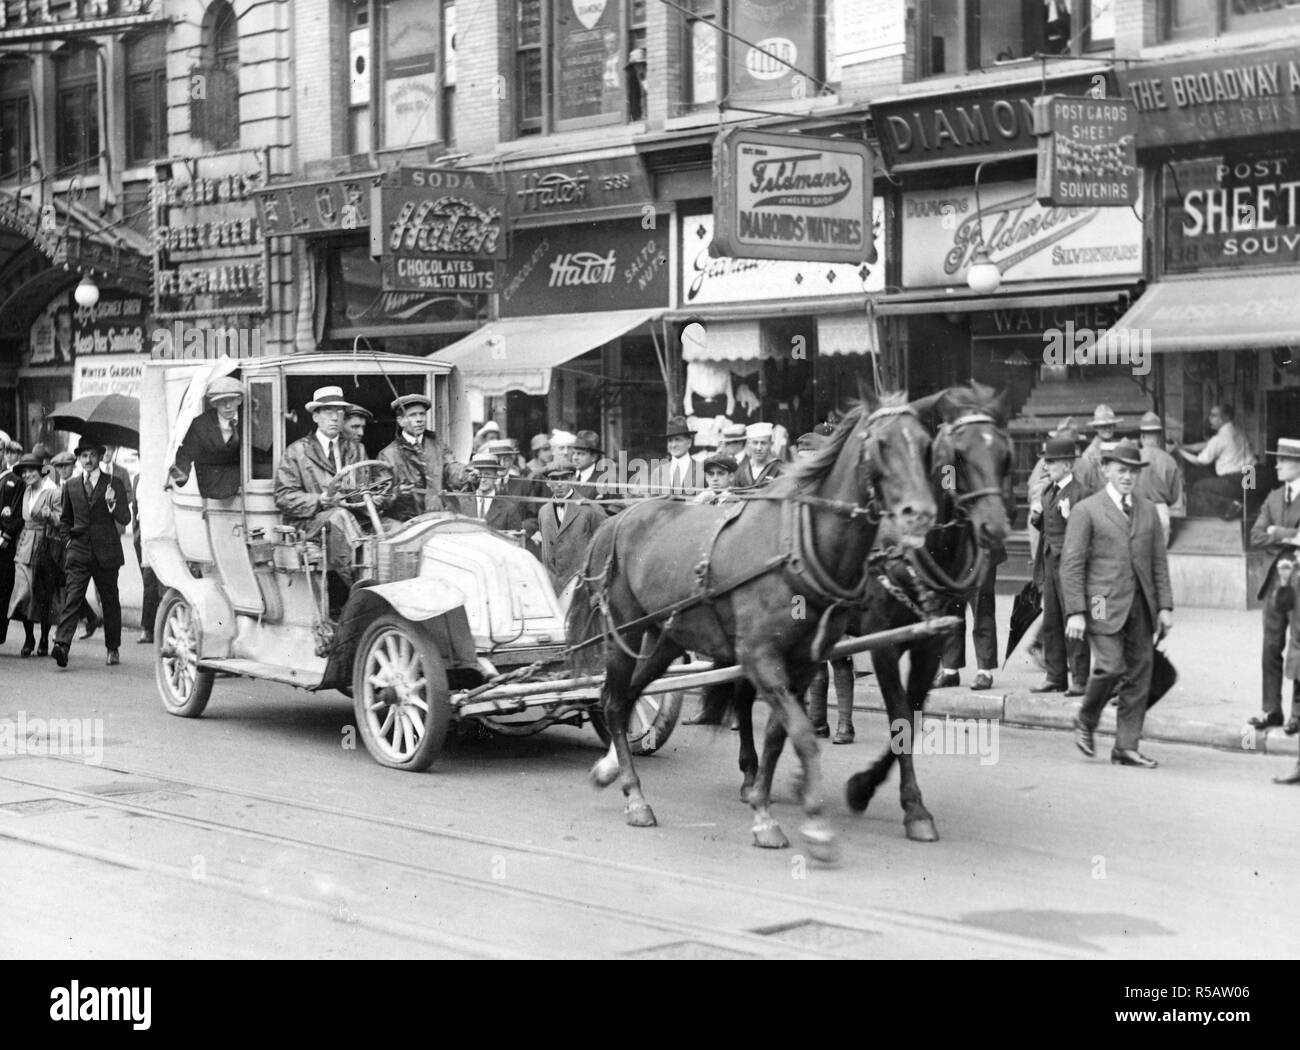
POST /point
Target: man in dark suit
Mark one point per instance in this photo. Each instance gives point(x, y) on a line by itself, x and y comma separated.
point(486, 503)
point(679, 474)
point(94, 507)
point(1277, 531)
point(566, 527)
point(1115, 580)
point(1065, 658)
point(11, 524)
point(211, 444)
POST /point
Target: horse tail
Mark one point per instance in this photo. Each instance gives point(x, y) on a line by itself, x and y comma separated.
point(585, 620)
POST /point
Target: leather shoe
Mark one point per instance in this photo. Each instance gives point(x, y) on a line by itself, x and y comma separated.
point(1268, 721)
point(822, 731)
point(60, 654)
point(983, 680)
point(1076, 689)
point(1291, 778)
point(42, 650)
point(26, 651)
point(1127, 757)
point(92, 625)
point(1049, 687)
point(1083, 739)
point(113, 659)
point(1292, 726)
point(146, 638)
point(944, 679)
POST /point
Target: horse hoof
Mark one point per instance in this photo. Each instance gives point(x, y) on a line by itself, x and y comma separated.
point(604, 772)
point(641, 816)
point(770, 836)
point(820, 843)
point(745, 789)
point(921, 830)
point(858, 792)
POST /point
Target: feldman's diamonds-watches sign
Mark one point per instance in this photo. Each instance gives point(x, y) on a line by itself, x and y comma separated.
point(792, 197)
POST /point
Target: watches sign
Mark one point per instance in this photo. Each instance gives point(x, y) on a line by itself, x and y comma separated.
point(792, 197)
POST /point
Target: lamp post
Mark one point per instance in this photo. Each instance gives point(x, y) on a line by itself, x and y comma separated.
point(982, 275)
point(87, 292)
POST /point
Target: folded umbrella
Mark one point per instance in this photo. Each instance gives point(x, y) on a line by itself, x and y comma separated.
point(1026, 608)
point(1163, 677)
point(113, 419)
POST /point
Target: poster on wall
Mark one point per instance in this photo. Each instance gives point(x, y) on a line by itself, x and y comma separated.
point(588, 77)
point(51, 339)
point(783, 35)
point(108, 374)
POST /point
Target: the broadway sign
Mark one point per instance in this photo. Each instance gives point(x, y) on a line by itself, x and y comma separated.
point(1087, 152)
point(438, 231)
point(792, 197)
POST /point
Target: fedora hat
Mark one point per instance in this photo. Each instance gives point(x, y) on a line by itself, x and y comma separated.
point(1287, 448)
point(406, 401)
point(1124, 452)
point(87, 444)
point(1151, 421)
point(1103, 416)
point(30, 462)
point(328, 397)
point(224, 387)
point(677, 428)
point(586, 440)
point(1060, 447)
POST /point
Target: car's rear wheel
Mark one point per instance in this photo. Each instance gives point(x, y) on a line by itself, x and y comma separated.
point(651, 723)
point(183, 686)
point(400, 695)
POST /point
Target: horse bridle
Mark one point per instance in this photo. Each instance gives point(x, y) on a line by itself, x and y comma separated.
point(870, 457)
point(945, 437)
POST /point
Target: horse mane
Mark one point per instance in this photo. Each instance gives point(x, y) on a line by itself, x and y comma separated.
point(816, 467)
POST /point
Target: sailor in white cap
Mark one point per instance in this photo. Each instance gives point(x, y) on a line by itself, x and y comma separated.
point(760, 465)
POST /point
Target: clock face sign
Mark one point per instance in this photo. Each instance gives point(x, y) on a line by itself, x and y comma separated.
point(589, 11)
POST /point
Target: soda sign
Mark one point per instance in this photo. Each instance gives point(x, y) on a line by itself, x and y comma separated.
point(792, 197)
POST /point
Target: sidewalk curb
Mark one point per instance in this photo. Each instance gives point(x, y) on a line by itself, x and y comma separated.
point(1058, 712)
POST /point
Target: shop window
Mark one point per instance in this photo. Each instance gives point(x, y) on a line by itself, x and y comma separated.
point(961, 35)
point(735, 71)
point(15, 117)
point(397, 96)
point(214, 99)
point(146, 97)
point(571, 66)
point(76, 117)
point(1189, 19)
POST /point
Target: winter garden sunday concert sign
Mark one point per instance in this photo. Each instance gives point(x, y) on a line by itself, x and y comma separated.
point(792, 197)
point(1087, 154)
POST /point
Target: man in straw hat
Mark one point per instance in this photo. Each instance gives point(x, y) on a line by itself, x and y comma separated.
point(1115, 582)
point(211, 444)
point(303, 478)
point(95, 506)
point(1161, 482)
point(423, 466)
point(1064, 659)
point(1277, 532)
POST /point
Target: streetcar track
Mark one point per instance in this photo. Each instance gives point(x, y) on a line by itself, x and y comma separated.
point(876, 920)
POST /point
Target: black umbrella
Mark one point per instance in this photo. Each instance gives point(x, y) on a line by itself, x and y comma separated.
point(1024, 611)
point(1163, 677)
point(113, 419)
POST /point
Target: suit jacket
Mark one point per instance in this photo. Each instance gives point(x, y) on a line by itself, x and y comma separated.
point(564, 545)
point(1288, 520)
point(661, 477)
point(745, 477)
point(1050, 521)
point(422, 468)
point(11, 496)
point(305, 472)
point(215, 461)
point(93, 530)
point(1110, 557)
point(504, 515)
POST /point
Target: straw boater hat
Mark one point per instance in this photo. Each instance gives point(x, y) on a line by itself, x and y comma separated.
point(722, 460)
point(733, 432)
point(1287, 448)
point(501, 447)
point(1124, 452)
point(1104, 416)
point(406, 401)
point(224, 388)
point(1151, 421)
point(327, 397)
point(485, 463)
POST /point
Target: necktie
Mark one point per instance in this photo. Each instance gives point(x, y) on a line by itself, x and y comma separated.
point(1286, 497)
point(1128, 506)
point(482, 507)
point(677, 474)
point(334, 456)
point(90, 489)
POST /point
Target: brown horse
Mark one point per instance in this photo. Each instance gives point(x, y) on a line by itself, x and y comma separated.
point(972, 465)
point(766, 584)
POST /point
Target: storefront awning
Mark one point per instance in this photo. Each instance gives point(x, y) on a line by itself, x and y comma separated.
point(518, 353)
point(1238, 311)
point(847, 334)
point(1026, 295)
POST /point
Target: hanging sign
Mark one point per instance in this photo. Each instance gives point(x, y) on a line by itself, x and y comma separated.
point(1087, 152)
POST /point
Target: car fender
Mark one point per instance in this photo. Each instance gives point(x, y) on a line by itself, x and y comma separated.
point(431, 606)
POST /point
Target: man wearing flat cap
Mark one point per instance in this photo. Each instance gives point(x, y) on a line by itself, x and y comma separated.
point(1277, 532)
point(679, 474)
point(95, 506)
point(760, 465)
point(567, 525)
point(719, 476)
point(1162, 481)
point(355, 420)
point(1115, 583)
point(423, 466)
point(211, 445)
point(302, 481)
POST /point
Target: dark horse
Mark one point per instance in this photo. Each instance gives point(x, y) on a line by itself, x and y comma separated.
point(760, 584)
point(972, 462)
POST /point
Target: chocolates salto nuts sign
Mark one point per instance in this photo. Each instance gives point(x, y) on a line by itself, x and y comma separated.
point(438, 231)
point(941, 229)
point(1087, 153)
point(792, 197)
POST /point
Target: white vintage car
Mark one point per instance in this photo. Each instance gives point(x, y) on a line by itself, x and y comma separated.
point(447, 619)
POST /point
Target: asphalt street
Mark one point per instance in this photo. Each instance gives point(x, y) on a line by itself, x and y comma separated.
point(256, 831)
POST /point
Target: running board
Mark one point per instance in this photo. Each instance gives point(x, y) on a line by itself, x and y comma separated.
point(268, 672)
